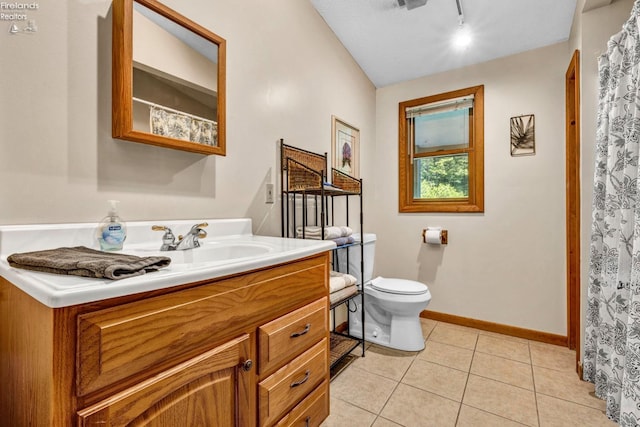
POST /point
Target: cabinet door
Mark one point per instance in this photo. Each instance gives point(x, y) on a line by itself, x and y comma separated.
point(212, 389)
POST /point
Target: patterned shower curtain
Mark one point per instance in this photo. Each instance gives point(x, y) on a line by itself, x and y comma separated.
point(612, 339)
point(182, 126)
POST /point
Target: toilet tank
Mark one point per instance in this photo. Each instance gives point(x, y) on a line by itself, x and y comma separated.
point(369, 249)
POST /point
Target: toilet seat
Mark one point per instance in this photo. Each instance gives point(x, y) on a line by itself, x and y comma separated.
point(399, 286)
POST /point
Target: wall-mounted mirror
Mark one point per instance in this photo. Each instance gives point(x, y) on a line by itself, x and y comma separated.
point(168, 79)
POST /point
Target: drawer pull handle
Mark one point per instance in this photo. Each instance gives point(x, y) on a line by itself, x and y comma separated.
point(307, 422)
point(246, 366)
point(302, 381)
point(304, 331)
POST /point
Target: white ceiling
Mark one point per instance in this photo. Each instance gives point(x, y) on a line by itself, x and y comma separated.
point(392, 44)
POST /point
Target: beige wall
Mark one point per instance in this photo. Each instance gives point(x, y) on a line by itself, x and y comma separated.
point(286, 75)
point(506, 265)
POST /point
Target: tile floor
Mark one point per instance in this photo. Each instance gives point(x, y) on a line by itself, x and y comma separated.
point(464, 377)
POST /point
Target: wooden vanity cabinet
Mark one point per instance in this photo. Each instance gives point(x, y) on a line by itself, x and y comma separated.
point(209, 390)
point(246, 350)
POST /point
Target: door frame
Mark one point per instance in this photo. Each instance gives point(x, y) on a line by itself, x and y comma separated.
point(572, 179)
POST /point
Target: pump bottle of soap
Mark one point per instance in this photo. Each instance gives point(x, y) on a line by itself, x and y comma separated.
point(112, 231)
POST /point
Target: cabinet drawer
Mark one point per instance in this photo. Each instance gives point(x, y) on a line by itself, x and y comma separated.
point(281, 391)
point(289, 335)
point(142, 338)
point(311, 411)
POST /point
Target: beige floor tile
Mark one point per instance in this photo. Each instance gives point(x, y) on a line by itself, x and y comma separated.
point(498, 390)
point(409, 406)
point(438, 379)
point(503, 370)
point(553, 357)
point(472, 417)
point(427, 326)
point(383, 422)
point(345, 414)
point(362, 389)
point(460, 327)
point(454, 336)
point(560, 413)
point(565, 385)
point(358, 350)
point(504, 348)
point(551, 346)
point(387, 362)
point(501, 399)
point(447, 355)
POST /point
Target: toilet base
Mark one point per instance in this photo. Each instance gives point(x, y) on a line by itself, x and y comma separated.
point(404, 333)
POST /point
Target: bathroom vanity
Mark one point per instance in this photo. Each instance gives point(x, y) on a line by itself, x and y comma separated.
point(236, 342)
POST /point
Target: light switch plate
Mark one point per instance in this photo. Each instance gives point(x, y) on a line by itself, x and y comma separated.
point(269, 193)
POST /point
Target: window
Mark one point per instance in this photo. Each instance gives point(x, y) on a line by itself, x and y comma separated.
point(441, 152)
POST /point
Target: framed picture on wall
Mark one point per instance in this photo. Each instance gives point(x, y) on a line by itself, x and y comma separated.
point(345, 147)
point(523, 141)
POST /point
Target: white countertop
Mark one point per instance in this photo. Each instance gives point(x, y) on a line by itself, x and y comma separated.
point(188, 266)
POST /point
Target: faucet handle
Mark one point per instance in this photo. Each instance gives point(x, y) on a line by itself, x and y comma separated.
point(199, 227)
point(168, 240)
point(168, 234)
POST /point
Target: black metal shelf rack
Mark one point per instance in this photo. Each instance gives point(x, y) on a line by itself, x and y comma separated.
point(308, 199)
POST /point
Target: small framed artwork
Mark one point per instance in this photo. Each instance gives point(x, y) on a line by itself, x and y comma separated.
point(345, 147)
point(523, 141)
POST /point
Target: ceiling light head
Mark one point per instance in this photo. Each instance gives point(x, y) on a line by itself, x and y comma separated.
point(462, 38)
point(411, 4)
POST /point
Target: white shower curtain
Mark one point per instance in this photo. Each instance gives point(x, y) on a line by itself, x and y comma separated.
point(612, 339)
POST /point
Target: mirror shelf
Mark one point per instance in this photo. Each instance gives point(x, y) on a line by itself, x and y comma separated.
point(169, 79)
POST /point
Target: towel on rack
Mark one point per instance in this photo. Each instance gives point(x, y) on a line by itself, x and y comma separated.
point(342, 294)
point(82, 261)
point(330, 232)
point(341, 241)
point(338, 281)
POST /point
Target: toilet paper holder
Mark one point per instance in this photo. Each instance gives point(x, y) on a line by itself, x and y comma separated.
point(444, 236)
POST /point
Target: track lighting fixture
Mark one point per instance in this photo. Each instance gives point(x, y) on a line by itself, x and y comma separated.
point(411, 4)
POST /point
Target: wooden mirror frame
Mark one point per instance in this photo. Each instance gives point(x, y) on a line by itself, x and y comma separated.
point(122, 78)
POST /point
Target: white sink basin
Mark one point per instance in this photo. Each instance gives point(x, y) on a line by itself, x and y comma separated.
point(211, 252)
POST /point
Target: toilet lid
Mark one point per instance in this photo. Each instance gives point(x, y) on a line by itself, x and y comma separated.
point(398, 286)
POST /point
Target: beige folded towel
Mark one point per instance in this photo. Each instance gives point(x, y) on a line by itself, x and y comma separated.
point(338, 281)
point(330, 232)
point(82, 261)
point(342, 294)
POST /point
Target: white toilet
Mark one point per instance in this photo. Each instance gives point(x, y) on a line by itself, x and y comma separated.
point(392, 306)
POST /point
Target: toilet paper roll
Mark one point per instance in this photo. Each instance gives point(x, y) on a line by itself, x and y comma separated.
point(433, 236)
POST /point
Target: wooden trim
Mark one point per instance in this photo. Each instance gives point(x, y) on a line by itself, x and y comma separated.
point(122, 78)
point(449, 152)
point(513, 331)
point(572, 141)
point(475, 202)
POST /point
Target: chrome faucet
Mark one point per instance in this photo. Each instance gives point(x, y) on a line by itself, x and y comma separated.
point(190, 241)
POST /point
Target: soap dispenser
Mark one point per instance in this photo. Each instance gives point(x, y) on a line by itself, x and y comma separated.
point(112, 231)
